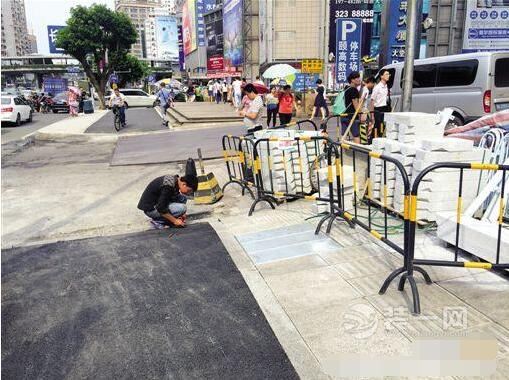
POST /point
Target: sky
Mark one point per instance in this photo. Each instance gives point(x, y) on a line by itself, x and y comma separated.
point(41, 13)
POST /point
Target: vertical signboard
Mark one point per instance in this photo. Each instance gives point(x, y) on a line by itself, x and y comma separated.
point(189, 26)
point(358, 9)
point(232, 34)
point(166, 38)
point(181, 49)
point(52, 38)
point(214, 33)
point(396, 31)
point(348, 47)
point(486, 26)
point(210, 5)
point(200, 22)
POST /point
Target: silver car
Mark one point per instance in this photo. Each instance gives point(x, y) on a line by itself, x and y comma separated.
point(473, 85)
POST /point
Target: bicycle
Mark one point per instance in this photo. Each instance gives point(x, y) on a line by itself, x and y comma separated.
point(116, 121)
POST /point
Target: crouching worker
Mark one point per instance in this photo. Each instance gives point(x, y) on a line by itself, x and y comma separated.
point(164, 199)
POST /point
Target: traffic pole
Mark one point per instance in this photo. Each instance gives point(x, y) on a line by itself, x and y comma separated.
point(413, 29)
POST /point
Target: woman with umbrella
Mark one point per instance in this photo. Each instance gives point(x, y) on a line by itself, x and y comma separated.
point(72, 100)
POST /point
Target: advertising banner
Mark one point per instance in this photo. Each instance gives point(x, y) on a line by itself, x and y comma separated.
point(52, 38)
point(181, 49)
point(214, 33)
point(348, 47)
point(167, 38)
point(304, 81)
point(189, 26)
point(232, 34)
point(486, 26)
point(361, 9)
point(54, 85)
point(210, 5)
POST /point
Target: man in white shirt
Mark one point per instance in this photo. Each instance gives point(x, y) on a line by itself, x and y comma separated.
point(380, 102)
point(253, 115)
point(237, 93)
point(117, 99)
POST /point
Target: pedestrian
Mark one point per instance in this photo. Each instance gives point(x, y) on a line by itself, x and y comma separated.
point(380, 102)
point(272, 102)
point(320, 103)
point(253, 114)
point(224, 90)
point(211, 91)
point(259, 81)
point(237, 93)
point(352, 99)
point(217, 92)
point(164, 199)
point(190, 93)
point(72, 101)
point(365, 93)
point(165, 100)
point(286, 105)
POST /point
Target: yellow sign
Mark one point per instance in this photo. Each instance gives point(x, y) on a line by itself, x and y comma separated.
point(312, 66)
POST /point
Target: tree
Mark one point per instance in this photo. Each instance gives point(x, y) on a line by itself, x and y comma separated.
point(99, 39)
point(132, 70)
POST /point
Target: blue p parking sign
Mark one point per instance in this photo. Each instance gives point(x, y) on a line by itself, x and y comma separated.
point(348, 47)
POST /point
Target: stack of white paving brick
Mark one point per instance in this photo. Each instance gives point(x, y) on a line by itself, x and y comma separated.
point(346, 188)
point(282, 168)
point(438, 190)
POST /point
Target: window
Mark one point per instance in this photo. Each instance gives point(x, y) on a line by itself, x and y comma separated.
point(425, 76)
point(461, 73)
point(18, 101)
point(502, 72)
point(6, 101)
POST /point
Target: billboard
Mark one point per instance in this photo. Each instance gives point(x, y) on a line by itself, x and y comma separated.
point(52, 38)
point(232, 34)
point(167, 38)
point(200, 22)
point(486, 26)
point(214, 33)
point(304, 81)
point(54, 85)
point(181, 49)
point(348, 47)
point(189, 26)
point(358, 9)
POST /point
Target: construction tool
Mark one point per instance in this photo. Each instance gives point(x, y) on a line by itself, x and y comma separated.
point(208, 191)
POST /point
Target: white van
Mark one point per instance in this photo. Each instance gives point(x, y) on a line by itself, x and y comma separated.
point(473, 84)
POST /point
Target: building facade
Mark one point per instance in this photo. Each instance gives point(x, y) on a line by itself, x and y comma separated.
point(138, 11)
point(290, 39)
point(15, 41)
point(167, 8)
point(32, 39)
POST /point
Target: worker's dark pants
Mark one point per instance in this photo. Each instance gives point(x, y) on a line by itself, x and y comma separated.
point(379, 118)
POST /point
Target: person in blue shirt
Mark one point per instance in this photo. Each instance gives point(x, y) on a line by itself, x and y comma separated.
point(165, 100)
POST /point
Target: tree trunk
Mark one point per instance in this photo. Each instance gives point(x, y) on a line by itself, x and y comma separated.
point(98, 83)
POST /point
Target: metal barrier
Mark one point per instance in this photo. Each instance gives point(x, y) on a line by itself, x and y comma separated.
point(295, 182)
point(368, 198)
point(411, 263)
point(238, 155)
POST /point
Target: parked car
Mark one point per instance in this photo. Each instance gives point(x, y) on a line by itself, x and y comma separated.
point(59, 103)
point(473, 85)
point(15, 110)
point(135, 97)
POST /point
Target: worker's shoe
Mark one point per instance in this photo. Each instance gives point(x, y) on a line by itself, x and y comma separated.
point(158, 225)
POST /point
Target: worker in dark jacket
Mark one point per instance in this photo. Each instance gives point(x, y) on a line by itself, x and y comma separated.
point(164, 199)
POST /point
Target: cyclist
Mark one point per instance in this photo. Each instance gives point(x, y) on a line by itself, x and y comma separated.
point(117, 99)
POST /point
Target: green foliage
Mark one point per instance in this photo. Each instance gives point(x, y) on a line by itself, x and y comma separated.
point(138, 69)
point(103, 35)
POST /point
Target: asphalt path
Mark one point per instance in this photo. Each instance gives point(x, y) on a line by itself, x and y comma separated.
point(40, 120)
point(165, 304)
point(137, 120)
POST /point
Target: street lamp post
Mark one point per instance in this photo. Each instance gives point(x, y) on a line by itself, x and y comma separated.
point(413, 27)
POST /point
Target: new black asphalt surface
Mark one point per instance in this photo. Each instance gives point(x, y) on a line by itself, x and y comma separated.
point(138, 119)
point(159, 304)
point(171, 146)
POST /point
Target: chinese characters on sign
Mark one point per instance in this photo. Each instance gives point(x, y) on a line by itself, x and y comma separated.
point(348, 47)
point(312, 66)
point(304, 81)
point(52, 38)
point(486, 29)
